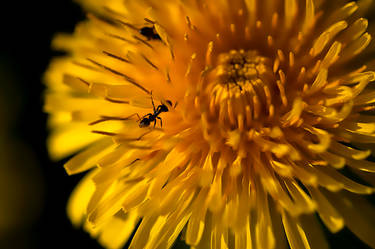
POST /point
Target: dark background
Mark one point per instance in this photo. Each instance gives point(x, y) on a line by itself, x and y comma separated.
point(37, 185)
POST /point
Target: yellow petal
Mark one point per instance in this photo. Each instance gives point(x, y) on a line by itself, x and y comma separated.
point(291, 10)
point(294, 114)
point(65, 141)
point(215, 198)
point(355, 30)
point(326, 37)
point(304, 174)
point(348, 152)
point(89, 157)
point(356, 47)
point(326, 180)
point(264, 237)
point(310, 225)
point(363, 165)
point(365, 98)
point(355, 137)
point(324, 140)
point(357, 213)
point(282, 168)
point(196, 223)
point(341, 94)
point(278, 228)
point(206, 236)
point(348, 184)
point(112, 203)
point(302, 201)
point(75, 83)
point(319, 82)
point(219, 238)
point(161, 232)
point(342, 13)
point(309, 16)
point(296, 236)
point(252, 9)
point(79, 199)
point(143, 231)
point(359, 127)
point(332, 55)
point(118, 229)
point(335, 161)
point(327, 212)
point(243, 238)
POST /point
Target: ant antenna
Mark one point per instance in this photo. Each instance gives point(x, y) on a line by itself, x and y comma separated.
point(152, 101)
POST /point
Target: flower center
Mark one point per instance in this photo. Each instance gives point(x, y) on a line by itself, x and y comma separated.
point(241, 88)
point(239, 69)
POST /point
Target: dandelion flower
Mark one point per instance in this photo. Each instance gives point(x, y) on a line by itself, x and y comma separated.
point(235, 124)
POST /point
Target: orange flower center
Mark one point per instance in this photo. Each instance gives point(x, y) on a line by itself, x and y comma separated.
point(239, 68)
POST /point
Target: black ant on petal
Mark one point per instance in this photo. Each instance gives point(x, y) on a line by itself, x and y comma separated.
point(147, 119)
point(150, 33)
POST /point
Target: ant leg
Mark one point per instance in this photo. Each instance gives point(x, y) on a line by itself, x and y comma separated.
point(152, 101)
point(154, 123)
point(108, 118)
point(139, 118)
point(161, 122)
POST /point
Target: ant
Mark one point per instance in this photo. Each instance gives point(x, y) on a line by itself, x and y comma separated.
point(150, 33)
point(151, 117)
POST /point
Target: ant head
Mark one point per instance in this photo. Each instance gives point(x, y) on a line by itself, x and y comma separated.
point(169, 102)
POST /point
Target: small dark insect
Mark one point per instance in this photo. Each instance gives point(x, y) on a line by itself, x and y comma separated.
point(150, 33)
point(234, 81)
point(152, 117)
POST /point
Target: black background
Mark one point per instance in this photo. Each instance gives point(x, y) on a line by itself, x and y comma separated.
point(26, 31)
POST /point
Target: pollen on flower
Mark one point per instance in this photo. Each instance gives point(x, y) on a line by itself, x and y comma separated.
point(239, 68)
point(272, 110)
